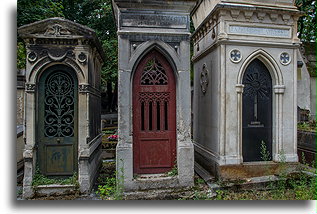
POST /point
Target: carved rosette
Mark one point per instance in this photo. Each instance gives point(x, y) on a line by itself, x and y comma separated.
point(285, 58)
point(235, 56)
point(82, 58)
point(32, 56)
point(204, 79)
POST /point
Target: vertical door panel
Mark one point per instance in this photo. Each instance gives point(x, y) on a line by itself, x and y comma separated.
point(154, 115)
point(257, 112)
point(57, 121)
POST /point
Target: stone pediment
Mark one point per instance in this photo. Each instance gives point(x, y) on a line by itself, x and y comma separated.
point(55, 27)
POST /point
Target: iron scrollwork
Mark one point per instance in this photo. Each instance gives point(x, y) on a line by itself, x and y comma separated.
point(59, 105)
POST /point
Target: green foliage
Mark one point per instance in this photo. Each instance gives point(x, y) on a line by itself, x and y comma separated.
point(199, 181)
point(307, 23)
point(310, 126)
point(40, 179)
point(265, 154)
point(108, 189)
point(21, 55)
point(173, 172)
point(34, 10)
point(113, 186)
point(96, 14)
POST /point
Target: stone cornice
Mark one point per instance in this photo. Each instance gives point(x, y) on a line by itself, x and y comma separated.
point(242, 43)
point(245, 13)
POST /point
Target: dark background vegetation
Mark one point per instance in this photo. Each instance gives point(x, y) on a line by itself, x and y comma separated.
point(97, 14)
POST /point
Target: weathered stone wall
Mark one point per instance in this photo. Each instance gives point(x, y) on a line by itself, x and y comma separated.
point(57, 41)
point(164, 27)
point(227, 38)
point(204, 7)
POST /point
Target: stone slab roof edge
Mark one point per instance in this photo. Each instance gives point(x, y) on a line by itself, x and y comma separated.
point(189, 4)
point(200, 1)
point(29, 30)
point(243, 6)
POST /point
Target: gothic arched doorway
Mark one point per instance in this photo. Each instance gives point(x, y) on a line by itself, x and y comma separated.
point(154, 115)
point(257, 113)
point(57, 121)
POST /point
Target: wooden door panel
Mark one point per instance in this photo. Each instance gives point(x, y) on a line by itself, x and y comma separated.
point(155, 153)
point(154, 115)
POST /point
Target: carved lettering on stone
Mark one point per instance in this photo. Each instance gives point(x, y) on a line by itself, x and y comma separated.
point(154, 20)
point(259, 31)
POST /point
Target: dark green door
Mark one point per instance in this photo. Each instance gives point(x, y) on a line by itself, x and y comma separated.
point(57, 121)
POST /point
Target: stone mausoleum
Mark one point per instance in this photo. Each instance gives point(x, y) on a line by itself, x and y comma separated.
point(62, 104)
point(245, 85)
point(154, 94)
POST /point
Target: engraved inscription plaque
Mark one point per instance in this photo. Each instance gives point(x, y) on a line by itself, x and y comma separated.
point(153, 20)
point(260, 31)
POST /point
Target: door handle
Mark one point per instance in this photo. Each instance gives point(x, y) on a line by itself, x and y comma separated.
point(58, 140)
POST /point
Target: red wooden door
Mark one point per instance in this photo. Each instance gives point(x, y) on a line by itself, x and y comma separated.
point(154, 115)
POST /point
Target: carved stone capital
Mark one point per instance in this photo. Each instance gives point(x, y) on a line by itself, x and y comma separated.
point(83, 88)
point(279, 89)
point(30, 88)
point(239, 88)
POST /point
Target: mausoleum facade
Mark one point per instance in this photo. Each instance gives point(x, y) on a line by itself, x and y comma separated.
point(245, 83)
point(62, 104)
point(154, 94)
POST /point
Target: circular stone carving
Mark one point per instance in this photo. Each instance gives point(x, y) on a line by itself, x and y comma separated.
point(204, 79)
point(82, 57)
point(32, 56)
point(235, 56)
point(285, 58)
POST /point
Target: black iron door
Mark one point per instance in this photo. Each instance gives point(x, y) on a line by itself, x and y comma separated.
point(57, 121)
point(257, 112)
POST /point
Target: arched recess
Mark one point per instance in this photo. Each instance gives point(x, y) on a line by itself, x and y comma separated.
point(46, 62)
point(154, 114)
point(166, 50)
point(57, 121)
point(278, 89)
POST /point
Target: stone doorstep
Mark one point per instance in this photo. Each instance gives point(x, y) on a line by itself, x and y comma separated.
point(153, 182)
point(157, 194)
point(54, 189)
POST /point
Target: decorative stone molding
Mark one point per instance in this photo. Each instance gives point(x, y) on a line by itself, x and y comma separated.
point(235, 14)
point(32, 57)
point(30, 88)
point(235, 56)
point(82, 58)
point(279, 89)
point(239, 88)
point(285, 58)
point(83, 88)
point(204, 79)
point(56, 30)
point(248, 15)
point(243, 14)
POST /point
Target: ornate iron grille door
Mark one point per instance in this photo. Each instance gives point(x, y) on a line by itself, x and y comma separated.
point(257, 112)
point(57, 121)
point(154, 115)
